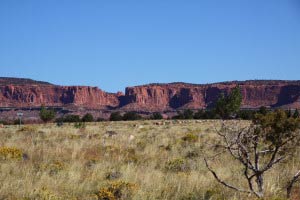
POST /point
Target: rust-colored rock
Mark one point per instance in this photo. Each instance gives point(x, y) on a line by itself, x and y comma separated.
point(161, 97)
point(35, 94)
point(24, 93)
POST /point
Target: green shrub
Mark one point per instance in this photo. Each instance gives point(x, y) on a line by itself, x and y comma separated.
point(246, 114)
point(186, 114)
point(47, 115)
point(130, 116)
point(199, 114)
point(115, 116)
point(156, 116)
point(71, 118)
point(87, 118)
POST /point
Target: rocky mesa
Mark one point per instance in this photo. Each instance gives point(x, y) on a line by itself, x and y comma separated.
point(22, 93)
point(160, 97)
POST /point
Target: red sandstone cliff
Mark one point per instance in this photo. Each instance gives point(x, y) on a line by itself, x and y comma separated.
point(159, 97)
point(154, 97)
point(34, 94)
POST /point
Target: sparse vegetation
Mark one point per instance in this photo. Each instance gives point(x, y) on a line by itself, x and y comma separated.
point(228, 106)
point(156, 116)
point(71, 118)
point(116, 116)
point(47, 114)
point(127, 160)
point(7, 153)
point(130, 116)
point(116, 190)
point(87, 118)
point(269, 141)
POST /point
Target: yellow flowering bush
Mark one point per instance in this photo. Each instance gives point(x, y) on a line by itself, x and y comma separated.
point(52, 167)
point(116, 190)
point(7, 153)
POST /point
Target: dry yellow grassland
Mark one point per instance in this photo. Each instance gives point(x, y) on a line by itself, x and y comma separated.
point(140, 160)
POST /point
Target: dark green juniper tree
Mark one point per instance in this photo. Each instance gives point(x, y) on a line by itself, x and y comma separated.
point(229, 105)
point(47, 114)
point(87, 118)
point(156, 116)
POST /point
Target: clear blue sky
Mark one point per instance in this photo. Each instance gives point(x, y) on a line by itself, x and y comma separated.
point(117, 43)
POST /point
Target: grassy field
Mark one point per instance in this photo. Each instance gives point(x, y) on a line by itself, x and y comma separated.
point(123, 160)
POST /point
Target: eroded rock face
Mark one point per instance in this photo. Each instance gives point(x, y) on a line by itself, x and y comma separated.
point(160, 97)
point(148, 98)
point(31, 95)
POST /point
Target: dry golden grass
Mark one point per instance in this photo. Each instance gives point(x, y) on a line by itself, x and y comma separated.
point(123, 160)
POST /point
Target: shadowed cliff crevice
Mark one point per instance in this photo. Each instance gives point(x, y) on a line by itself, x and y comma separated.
point(288, 95)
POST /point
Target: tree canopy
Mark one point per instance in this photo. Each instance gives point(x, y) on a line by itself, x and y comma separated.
point(47, 114)
point(229, 105)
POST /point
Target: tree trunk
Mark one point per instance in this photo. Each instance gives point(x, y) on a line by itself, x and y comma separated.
point(260, 185)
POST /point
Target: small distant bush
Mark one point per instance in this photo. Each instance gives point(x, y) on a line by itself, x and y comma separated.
point(71, 118)
point(87, 118)
point(116, 116)
point(100, 119)
point(156, 116)
point(246, 114)
point(47, 115)
point(130, 116)
point(192, 154)
point(186, 114)
point(141, 145)
point(7, 153)
point(263, 110)
point(53, 167)
point(59, 123)
point(130, 155)
point(190, 137)
point(116, 190)
point(177, 165)
point(199, 114)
